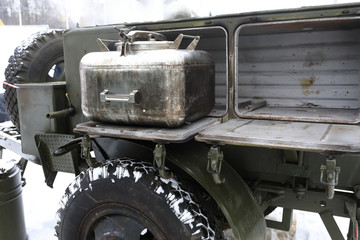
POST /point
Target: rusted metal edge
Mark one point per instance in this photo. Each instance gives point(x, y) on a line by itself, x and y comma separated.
point(160, 135)
point(308, 141)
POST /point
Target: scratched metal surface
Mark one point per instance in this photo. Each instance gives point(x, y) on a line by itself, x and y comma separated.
point(156, 134)
point(330, 115)
point(312, 64)
point(317, 137)
point(214, 41)
point(175, 86)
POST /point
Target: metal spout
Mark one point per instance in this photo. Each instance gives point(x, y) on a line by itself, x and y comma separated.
point(60, 114)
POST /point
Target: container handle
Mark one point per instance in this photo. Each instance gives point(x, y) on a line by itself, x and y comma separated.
point(133, 97)
point(178, 40)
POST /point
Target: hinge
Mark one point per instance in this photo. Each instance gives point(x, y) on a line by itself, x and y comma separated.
point(329, 175)
point(215, 158)
point(86, 148)
point(159, 161)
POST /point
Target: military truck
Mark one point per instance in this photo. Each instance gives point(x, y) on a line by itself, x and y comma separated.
point(182, 129)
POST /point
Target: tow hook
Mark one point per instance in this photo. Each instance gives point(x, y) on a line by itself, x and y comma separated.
point(329, 175)
point(215, 158)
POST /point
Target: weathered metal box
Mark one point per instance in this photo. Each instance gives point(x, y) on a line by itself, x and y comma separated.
point(160, 87)
point(35, 101)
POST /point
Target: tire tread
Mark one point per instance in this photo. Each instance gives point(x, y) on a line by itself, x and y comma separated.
point(178, 199)
point(18, 66)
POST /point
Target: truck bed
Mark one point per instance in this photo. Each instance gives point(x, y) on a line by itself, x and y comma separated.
point(315, 137)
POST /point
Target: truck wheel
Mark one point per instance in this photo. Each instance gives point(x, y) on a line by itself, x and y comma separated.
point(38, 59)
point(125, 199)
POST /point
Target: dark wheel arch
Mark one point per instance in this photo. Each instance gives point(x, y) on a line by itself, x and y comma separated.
point(234, 197)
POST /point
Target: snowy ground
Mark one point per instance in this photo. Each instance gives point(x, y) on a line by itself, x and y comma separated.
point(41, 202)
point(306, 226)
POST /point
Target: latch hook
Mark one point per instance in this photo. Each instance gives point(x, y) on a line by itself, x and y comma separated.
point(159, 161)
point(215, 158)
point(329, 175)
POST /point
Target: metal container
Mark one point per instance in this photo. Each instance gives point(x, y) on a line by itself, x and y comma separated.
point(12, 223)
point(158, 87)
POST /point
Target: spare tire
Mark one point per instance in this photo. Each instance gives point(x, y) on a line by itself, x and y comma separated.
point(38, 59)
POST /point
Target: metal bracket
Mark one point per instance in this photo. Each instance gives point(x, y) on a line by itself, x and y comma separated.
point(331, 226)
point(102, 45)
point(353, 233)
point(215, 158)
point(300, 186)
point(159, 161)
point(86, 147)
point(329, 175)
point(255, 104)
point(285, 223)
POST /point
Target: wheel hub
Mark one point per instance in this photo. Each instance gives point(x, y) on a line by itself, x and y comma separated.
point(118, 222)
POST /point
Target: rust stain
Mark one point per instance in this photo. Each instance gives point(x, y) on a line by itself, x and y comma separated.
point(306, 92)
point(307, 82)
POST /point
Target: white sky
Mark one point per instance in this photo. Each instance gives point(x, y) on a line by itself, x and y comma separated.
point(234, 6)
point(115, 11)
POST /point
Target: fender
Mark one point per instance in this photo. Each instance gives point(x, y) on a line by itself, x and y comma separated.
point(234, 197)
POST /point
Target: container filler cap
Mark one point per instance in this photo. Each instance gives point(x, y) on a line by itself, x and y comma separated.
point(6, 169)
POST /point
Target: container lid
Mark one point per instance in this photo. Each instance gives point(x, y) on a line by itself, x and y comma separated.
point(135, 41)
point(10, 179)
point(6, 169)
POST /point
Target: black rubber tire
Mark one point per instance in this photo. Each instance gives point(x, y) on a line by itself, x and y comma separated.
point(31, 62)
point(4, 116)
point(124, 187)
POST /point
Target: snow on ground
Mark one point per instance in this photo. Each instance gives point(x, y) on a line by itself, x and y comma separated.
point(41, 202)
point(305, 226)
